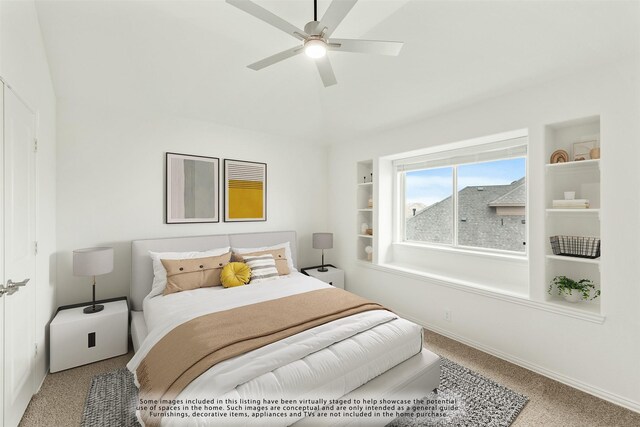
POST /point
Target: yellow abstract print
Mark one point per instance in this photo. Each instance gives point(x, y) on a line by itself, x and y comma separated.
point(245, 199)
point(245, 191)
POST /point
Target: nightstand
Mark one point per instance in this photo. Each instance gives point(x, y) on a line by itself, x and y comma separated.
point(334, 277)
point(78, 338)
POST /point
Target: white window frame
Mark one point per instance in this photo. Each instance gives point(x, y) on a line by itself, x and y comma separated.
point(455, 150)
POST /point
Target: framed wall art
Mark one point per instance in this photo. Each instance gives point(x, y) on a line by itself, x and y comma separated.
point(582, 149)
point(192, 189)
point(245, 191)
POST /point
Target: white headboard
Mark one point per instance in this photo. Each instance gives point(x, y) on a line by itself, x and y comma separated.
point(142, 269)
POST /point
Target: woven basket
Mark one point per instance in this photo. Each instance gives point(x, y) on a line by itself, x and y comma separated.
point(576, 246)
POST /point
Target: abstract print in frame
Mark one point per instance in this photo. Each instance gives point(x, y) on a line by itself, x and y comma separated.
point(245, 191)
point(192, 189)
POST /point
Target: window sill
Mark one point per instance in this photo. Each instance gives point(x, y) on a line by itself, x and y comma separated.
point(511, 297)
point(522, 259)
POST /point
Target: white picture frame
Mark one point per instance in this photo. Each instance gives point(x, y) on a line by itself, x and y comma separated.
point(582, 149)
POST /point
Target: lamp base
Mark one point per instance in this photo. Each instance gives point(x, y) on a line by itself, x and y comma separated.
point(322, 268)
point(93, 309)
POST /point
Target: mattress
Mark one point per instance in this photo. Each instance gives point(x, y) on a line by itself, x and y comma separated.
point(328, 361)
point(138, 329)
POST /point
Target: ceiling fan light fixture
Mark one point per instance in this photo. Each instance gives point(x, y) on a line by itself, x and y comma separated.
point(317, 37)
point(315, 48)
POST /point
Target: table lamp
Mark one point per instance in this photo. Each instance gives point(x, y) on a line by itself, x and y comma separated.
point(322, 241)
point(92, 262)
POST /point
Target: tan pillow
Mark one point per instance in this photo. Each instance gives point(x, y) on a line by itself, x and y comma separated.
point(194, 273)
point(278, 255)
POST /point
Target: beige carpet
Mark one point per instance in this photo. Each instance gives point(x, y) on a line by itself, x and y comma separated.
point(61, 399)
point(550, 402)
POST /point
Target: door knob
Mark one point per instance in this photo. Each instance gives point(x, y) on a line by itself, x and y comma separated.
point(12, 287)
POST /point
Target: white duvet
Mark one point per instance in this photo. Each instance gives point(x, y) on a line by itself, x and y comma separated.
point(327, 361)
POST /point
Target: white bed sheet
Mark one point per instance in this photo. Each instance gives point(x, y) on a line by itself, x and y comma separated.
point(327, 361)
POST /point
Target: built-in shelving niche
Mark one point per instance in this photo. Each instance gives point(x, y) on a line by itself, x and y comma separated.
point(364, 209)
point(584, 178)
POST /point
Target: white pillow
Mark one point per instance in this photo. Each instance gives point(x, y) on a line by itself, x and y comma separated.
point(160, 274)
point(263, 268)
point(285, 245)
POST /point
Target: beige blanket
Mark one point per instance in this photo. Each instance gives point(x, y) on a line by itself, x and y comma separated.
point(195, 346)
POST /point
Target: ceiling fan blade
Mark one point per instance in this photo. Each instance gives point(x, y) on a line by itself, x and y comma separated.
point(268, 17)
point(334, 15)
point(326, 71)
point(377, 47)
point(275, 58)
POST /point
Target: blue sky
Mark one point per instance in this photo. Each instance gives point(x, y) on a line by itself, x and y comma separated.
point(432, 185)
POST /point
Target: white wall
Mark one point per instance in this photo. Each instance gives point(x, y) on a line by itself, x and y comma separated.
point(600, 358)
point(23, 66)
point(110, 186)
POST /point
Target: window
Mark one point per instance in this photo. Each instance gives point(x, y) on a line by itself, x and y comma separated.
point(429, 205)
point(487, 210)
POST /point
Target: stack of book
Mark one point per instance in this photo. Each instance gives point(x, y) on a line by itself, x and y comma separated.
point(570, 204)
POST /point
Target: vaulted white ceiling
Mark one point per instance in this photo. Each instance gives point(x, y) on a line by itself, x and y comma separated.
point(188, 58)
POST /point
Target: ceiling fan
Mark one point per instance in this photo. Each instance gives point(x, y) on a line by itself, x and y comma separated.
point(315, 37)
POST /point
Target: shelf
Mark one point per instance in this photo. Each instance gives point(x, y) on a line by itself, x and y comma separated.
point(574, 259)
point(574, 211)
point(582, 164)
point(364, 209)
point(584, 177)
point(578, 307)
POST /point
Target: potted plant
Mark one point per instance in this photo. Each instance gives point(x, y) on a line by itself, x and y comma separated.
point(572, 291)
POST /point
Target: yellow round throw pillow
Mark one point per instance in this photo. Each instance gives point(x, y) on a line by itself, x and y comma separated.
point(235, 274)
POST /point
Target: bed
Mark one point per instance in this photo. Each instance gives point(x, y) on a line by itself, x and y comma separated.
point(369, 354)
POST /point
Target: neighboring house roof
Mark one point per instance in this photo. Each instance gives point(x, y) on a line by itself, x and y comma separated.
point(515, 197)
point(478, 223)
point(411, 206)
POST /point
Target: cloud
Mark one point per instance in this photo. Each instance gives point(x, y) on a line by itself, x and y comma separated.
point(427, 201)
point(434, 185)
point(470, 181)
point(433, 189)
point(427, 189)
point(428, 181)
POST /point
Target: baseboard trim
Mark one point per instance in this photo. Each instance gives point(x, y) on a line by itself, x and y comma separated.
point(571, 382)
point(38, 388)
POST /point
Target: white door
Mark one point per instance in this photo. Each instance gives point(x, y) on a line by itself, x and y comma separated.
point(19, 257)
point(1, 258)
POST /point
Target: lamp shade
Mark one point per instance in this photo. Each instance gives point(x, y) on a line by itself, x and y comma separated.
point(322, 240)
point(92, 261)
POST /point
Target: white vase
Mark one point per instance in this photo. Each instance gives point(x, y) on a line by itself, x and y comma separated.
point(574, 295)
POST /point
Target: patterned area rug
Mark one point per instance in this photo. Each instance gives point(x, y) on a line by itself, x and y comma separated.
point(111, 400)
point(464, 398)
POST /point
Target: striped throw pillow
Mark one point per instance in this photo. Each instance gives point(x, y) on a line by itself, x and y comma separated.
point(263, 267)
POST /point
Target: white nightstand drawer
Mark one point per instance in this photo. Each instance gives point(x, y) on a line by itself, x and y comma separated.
point(78, 338)
point(334, 276)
